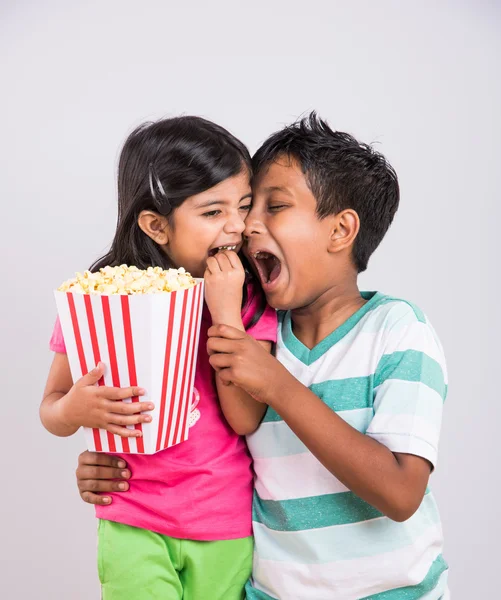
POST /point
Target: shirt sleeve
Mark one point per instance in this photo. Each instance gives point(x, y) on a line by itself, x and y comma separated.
point(56, 343)
point(265, 328)
point(410, 386)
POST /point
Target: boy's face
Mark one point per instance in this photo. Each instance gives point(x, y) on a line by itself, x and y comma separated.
point(286, 242)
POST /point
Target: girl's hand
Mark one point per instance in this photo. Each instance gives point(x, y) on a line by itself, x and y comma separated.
point(89, 405)
point(224, 281)
point(98, 473)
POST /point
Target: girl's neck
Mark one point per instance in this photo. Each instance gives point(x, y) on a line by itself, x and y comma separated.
point(312, 323)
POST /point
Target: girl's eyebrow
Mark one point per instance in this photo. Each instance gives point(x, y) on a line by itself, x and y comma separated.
point(210, 203)
point(219, 201)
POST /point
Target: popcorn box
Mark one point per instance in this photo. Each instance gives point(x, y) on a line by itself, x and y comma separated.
point(145, 340)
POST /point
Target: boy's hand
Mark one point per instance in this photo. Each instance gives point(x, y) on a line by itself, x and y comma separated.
point(224, 280)
point(240, 359)
point(89, 405)
point(98, 473)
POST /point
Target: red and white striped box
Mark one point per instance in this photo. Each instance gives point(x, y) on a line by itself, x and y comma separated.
point(145, 340)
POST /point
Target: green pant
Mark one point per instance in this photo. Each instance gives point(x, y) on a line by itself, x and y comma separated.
point(136, 564)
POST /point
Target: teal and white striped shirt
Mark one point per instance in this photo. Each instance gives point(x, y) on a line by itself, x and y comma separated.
point(383, 372)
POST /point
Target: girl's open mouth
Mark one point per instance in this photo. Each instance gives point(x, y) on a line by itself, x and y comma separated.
point(268, 266)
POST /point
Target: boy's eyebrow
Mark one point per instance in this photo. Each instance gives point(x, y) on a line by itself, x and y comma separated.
point(278, 188)
point(219, 201)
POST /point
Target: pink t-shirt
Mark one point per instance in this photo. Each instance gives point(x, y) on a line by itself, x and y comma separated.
point(200, 489)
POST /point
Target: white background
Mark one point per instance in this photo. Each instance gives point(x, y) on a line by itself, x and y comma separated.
point(422, 80)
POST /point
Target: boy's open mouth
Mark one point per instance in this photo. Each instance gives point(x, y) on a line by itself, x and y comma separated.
point(214, 251)
point(268, 266)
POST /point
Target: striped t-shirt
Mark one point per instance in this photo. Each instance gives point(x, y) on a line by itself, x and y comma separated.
point(383, 372)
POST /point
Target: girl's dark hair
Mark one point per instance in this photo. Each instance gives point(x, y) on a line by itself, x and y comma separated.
point(163, 163)
point(342, 173)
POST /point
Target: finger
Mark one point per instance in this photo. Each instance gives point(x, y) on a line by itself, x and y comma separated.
point(226, 331)
point(222, 380)
point(212, 265)
point(124, 420)
point(224, 375)
point(220, 361)
point(216, 344)
point(102, 485)
point(234, 259)
point(114, 393)
point(123, 431)
point(92, 376)
point(91, 498)
point(94, 472)
point(223, 261)
point(128, 408)
point(99, 459)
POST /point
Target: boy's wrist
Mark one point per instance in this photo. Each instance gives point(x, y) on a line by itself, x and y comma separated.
point(280, 389)
point(233, 320)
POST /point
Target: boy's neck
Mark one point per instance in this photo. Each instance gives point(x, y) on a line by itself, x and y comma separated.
point(312, 323)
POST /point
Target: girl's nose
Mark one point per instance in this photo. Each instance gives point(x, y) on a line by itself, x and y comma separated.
point(234, 225)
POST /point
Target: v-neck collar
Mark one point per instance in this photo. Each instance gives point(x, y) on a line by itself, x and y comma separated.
point(307, 356)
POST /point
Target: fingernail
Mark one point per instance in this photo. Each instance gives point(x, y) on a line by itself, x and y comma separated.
point(141, 391)
point(121, 464)
point(122, 486)
point(106, 500)
point(151, 406)
point(124, 474)
point(147, 419)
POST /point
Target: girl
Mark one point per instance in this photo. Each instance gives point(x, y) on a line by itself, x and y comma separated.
point(183, 530)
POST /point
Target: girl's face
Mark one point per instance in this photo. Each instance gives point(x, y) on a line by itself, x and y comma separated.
point(204, 223)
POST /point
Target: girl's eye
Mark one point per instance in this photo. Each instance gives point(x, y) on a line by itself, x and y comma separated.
point(246, 207)
point(212, 213)
point(276, 207)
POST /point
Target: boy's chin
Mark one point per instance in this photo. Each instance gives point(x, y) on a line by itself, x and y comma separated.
point(280, 301)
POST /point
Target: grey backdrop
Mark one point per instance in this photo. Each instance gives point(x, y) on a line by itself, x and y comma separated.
point(419, 79)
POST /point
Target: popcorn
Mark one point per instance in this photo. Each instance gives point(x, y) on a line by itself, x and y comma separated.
point(125, 280)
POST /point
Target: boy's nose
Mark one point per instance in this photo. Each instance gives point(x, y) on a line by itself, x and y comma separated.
point(253, 226)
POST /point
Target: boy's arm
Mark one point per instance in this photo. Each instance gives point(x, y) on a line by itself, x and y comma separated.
point(393, 482)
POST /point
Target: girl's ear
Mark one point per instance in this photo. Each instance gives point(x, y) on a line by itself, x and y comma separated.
point(154, 226)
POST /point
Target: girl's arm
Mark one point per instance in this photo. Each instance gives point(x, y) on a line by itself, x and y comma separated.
point(66, 406)
point(241, 411)
point(224, 281)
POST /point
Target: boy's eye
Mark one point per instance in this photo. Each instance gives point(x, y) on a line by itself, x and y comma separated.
point(245, 207)
point(212, 213)
point(276, 207)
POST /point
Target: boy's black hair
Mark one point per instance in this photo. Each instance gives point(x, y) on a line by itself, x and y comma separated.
point(341, 173)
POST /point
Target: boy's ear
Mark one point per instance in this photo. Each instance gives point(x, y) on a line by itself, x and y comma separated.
point(154, 226)
point(344, 230)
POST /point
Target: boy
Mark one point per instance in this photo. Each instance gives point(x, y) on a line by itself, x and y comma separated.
point(353, 400)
